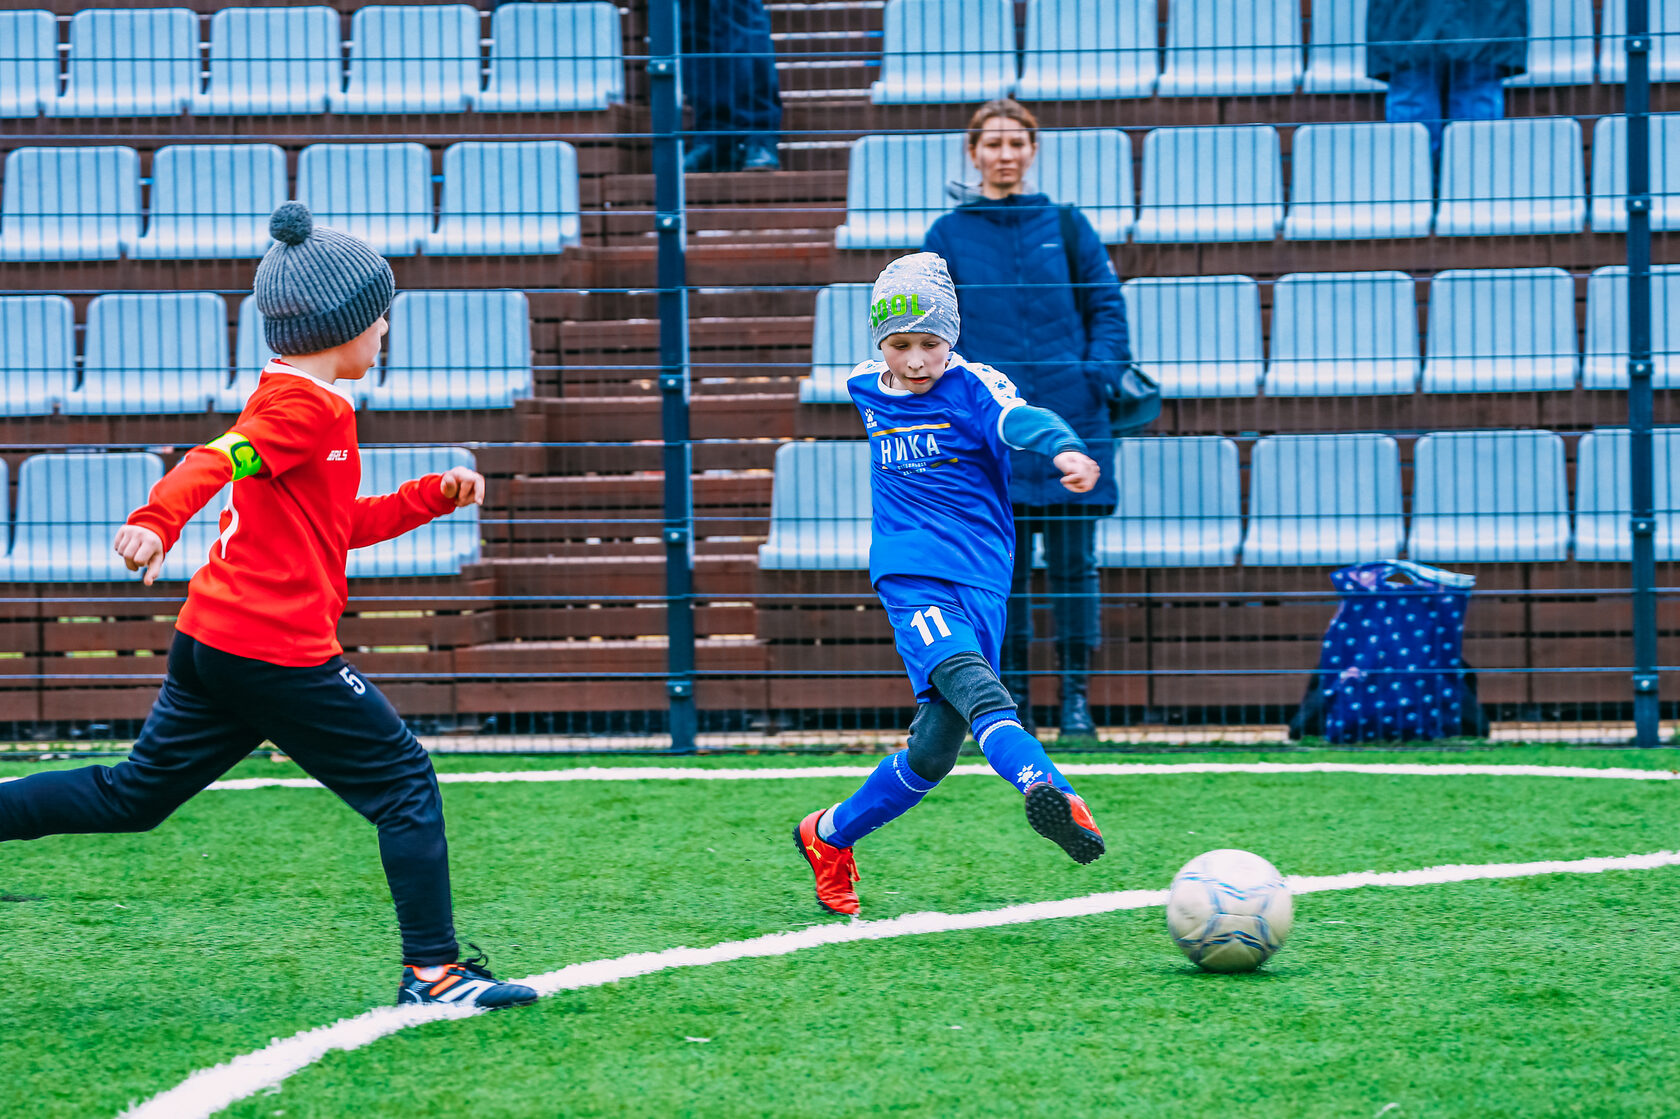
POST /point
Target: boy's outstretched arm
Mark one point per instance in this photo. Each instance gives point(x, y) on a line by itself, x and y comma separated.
point(415, 503)
point(1027, 428)
point(154, 528)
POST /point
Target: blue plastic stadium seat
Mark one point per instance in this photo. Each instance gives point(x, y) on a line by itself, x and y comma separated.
point(1170, 319)
point(379, 192)
point(1664, 23)
point(1603, 506)
point(153, 352)
point(1079, 49)
point(895, 188)
point(1227, 48)
point(134, 62)
point(1511, 176)
point(1090, 167)
point(938, 51)
point(212, 201)
point(1211, 184)
point(1609, 175)
point(554, 58)
point(1489, 496)
point(437, 548)
point(507, 198)
point(1501, 330)
point(412, 59)
point(1336, 56)
point(839, 340)
point(819, 508)
point(1323, 499)
point(250, 355)
point(455, 349)
point(1606, 364)
point(28, 62)
point(69, 203)
point(1360, 180)
point(272, 61)
point(37, 354)
point(1560, 44)
point(1343, 334)
point(69, 508)
point(1180, 504)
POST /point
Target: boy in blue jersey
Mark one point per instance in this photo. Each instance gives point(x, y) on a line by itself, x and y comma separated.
point(940, 432)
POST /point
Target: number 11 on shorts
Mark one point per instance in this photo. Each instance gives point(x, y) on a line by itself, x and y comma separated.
point(921, 619)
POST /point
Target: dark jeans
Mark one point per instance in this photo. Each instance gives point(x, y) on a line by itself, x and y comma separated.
point(1070, 547)
point(214, 709)
point(1442, 91)
point(729, 71)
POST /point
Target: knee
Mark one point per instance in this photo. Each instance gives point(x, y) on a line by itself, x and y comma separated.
point(969, 685)
point(936, 738)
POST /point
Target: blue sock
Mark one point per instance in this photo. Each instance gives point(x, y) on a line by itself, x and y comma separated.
point(890, 791)
point(1018, 757)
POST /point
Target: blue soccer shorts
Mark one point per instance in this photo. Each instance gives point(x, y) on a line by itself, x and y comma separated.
point(934, 620)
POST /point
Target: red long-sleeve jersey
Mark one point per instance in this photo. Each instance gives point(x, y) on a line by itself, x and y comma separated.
point(273, 589)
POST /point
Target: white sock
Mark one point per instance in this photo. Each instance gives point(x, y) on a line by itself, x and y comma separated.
point(825, 825)
point(431, 974)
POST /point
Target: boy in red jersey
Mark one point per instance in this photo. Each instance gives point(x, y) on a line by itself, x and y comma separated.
point(255, 655)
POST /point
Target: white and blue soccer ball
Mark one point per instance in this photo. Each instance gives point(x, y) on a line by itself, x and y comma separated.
point(1229, 910)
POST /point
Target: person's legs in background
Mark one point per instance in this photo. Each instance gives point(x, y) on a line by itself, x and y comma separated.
point(1070, 545)
point(705, 85)
point(1474, 91)
point(1018, 630)
point(729, 80)
point(1414, 94)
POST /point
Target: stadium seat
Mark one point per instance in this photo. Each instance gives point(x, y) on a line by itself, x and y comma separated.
point(1343, 334)
point(153, 353)
point(1179, 505)
point(1090, 167)
point(1172, 335)
point(28, 62)
point(553, 58)
point(1606, 364)
point(250, 355)
point(1501, 330)
point(507, 198)
point(1603, 494)
point(1336, 56)
point(69, 203)
point(939, 51)
point(1211, 184)
point(212, 201)
point(1489, 497)
point(1359, 180)
point(1078, 49)
point(69, 507)
point(272, 61)
point(130, 62)
point(895, 188)
point(380, 192)
point(1664, 24)
point(1511, 176)
point(412, 59)
point(839, 340)
point(37, 354)
point(1560, 44)
point(437, 548)
point(1609, 174)
point(192, 550)
point(1232, 48)
point(820, 508)
point(454, 349)
point(1319, 499)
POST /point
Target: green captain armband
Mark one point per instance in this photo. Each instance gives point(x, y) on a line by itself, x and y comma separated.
point(240, 454)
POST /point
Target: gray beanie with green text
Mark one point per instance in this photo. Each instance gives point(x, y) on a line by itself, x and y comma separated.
point(914, 294)
point(317, 287)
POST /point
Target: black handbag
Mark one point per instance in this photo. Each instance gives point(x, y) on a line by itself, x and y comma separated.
point(1134, 402)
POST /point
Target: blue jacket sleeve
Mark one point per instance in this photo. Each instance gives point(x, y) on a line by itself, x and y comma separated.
point(1107, 342)
point(1039, 429)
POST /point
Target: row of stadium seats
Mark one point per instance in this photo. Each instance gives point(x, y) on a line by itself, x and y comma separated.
point(69, 506)
point(965, 50)
point(1344, 333)
point(214, 200)
point(1225, 183)
point(154, 353)
point(1477, 497)
point(403, 59)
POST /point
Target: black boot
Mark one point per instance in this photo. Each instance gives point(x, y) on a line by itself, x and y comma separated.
point(1019, 684)
point(1076, 719)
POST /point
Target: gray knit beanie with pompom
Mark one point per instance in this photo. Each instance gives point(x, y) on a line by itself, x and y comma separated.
point(317, 287)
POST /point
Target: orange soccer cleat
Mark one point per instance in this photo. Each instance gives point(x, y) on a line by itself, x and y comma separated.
point(834, 867)
point(1064, 819)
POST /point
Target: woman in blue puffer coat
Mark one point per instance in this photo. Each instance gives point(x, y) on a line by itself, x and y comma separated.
point(1006, 254)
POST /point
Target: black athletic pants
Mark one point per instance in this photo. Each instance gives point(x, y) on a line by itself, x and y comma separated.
point(214, 709)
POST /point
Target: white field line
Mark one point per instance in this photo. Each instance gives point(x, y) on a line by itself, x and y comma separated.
point(210, 1090)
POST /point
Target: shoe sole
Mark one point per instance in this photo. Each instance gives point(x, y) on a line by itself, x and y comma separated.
point(799, 844)
point(1051, 816)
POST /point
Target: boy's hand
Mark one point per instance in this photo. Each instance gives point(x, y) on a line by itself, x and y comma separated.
point(463, 486)
point(1079, 472)
point(140, 548)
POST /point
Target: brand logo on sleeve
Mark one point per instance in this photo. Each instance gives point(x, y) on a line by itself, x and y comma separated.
point(338, 456)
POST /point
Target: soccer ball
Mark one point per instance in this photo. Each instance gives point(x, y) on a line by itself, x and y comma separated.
point(1229, 910)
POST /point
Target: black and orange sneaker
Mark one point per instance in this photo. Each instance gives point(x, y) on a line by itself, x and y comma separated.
point(1064, 820)
point(464, 983)
point(834, 867)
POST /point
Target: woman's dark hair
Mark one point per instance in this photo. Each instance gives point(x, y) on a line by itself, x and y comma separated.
point(1002, 107)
